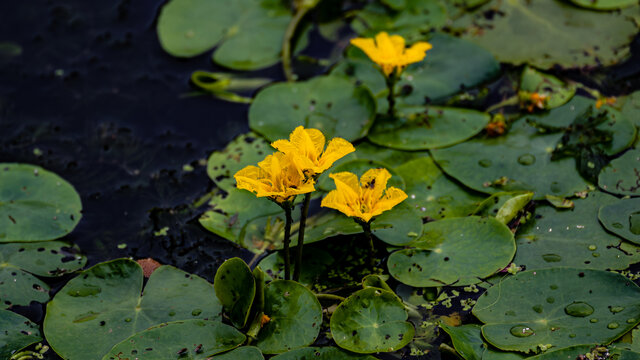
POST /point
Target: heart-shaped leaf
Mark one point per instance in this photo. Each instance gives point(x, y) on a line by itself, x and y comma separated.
point(103, 306)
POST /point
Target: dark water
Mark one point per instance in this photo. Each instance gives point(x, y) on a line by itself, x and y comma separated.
point(94, 98)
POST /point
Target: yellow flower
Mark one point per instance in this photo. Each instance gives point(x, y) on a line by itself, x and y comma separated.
point(276, 177)
point(365, 200)
point(389, 52)
point(306, 148)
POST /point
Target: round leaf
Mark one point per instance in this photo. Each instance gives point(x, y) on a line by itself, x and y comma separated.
point(35, 204)
point(521, 160)
point(457, 251)
point(622, 218)
point(103, 305)
point(235, 288)
point(420, 129)
point(573, 238)
point(556, 33)
point(558, 306)
point(371, 320)
point(246, 149)
point(249, 32)
point(327, 103)
point(621, 175)
point(321, 353)
point(398, 226)
point(193, 339)
point(296, 316)
point(558, 93)
point(17, 333)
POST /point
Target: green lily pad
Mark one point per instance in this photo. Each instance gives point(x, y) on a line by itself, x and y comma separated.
point(435, 194)
point(235, 288)
point(622, 175)
point(456, 251)
point(371, 320)
point(244, 353)
point(246, 149)
point(494, 354)
point(573, 237)
point(17, 333)
point(35, 204)
point(622, 218)
point(328, 103)
point(358, 167)
point(558, 307)
point(329, 225)
point(417, 128)
point(248, 33)
point(467, 340)
point(19, 262)
point(296, 316)
point(520, 160)
point(230, 214)
point(605, 4)
point(398, 226)
point(503, 205)
point(574, 352)
point(556, 33)
point(315, 263)
point(558, 93)
point(321, 353)
point(631, 108)
point(193, 339)
point(103, 306)
point(392, 158)
point(411, 19)
point(451, 65)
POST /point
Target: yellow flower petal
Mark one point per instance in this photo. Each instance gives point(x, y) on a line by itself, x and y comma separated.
point(365, 199)
point(389, 52)
point(337, 149)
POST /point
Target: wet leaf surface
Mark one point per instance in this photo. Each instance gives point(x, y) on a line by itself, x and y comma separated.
point(456, 251)
point(622, 218)
point(622, 175)
point(573, 237)
point(577, 306)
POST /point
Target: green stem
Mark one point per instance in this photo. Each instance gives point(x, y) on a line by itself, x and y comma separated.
point(303, 219)
point(366, 227)
point(329, 297)
point(286, 42)
point(391, 84)
point(287, 239)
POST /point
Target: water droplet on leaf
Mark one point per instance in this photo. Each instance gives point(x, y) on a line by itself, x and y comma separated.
point(579, 309)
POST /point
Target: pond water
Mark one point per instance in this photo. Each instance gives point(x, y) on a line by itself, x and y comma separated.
point(91, 96)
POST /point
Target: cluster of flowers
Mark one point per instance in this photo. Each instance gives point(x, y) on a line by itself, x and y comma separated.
point(295, 167)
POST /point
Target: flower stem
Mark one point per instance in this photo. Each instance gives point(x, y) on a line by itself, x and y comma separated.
point(391, 84)
point(287, 239)
point(330, 297)
point(301, 11)
point(303, 220)
point(366, 227)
